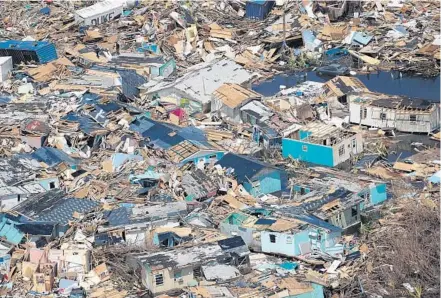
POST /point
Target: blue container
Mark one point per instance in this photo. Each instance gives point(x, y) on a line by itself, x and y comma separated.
point(27, 51)
point(258, 9)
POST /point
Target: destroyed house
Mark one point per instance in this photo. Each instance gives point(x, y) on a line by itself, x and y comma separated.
point(157, 66)
point(196, 87)
point(40, 232)
point(322, 144)
point(257, 178)
point(288, 235)
point(136, 220)
point(51, 157)
point(341, 86)
point(12, 113)
point(18, 181)
point(54, 206)
point(321, 180)
point(129, 79)
point(85, 124)
point(340, 208)
point(193, 152)
point(173, 270)
point(394, 112)
point(198, 186)
point(299, 101)
point(170, 237)
point(266, 136)
point(164, 135)
point(228, 100)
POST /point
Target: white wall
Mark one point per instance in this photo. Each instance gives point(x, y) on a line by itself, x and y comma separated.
point(136, 237)
point(349, 149)
point(399, 119)
point(9, 202)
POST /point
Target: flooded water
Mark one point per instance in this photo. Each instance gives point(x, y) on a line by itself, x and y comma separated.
point(384, 82)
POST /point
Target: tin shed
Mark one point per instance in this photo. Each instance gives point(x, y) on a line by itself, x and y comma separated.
point(26, 51)
point(258, 9)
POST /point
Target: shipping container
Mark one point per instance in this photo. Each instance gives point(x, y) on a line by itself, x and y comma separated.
point(99, 13)
point(258, 9)
point(27, 51)
point(5, 67)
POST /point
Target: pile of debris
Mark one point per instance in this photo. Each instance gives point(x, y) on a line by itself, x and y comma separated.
point(137, 158)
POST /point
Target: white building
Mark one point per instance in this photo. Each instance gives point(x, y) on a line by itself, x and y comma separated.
point(401, 113)
point(196, 87)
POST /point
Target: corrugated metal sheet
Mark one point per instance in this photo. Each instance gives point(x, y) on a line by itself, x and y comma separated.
point(259, 9)
point(26, 51)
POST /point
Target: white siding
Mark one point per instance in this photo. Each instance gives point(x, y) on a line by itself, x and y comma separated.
point(399, 119)
point(349, 149)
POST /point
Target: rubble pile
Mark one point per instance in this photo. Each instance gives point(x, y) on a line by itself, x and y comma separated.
point(138, 160)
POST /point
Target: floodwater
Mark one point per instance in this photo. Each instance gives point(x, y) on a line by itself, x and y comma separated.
point(383, 82)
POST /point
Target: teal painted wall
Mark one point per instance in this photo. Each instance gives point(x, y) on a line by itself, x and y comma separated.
point(299, 238)
point(316, 293)
point(378, 194)
point(289, 244)
point(317, 154)
point(269, 183)
point(304, 134)
point(195, 159)
point(298, 189)
point(284, 245)
point(46, 183)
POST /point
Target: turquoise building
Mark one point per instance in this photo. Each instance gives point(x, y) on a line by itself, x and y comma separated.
point(257, 178)
point(322, 144)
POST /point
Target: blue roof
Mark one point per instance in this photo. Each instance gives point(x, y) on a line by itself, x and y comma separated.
point(340, 193)
point(24, 45)
point(315, 221)
point(130, 81)
point(51, 156)
point(87, 125)
point(90, 98)
point(37, 228)
point(117, 217)
point(244, 167)
point(106, 239)
point(63, 211)
point(265, 221)
point(165, 135)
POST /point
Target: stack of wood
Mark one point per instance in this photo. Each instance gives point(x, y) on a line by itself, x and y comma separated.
point(216, 135)
point(217, 31)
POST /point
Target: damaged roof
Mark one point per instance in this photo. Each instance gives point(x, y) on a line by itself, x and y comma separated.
point(245, 168)
point(54, 206)
point(341, 85)
point(202, 80)
point(233, 95)
point(179, 258)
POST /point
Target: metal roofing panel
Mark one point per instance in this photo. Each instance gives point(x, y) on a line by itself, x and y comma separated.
point(245, 168)
point(52, 156)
